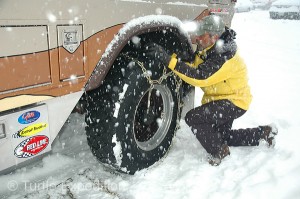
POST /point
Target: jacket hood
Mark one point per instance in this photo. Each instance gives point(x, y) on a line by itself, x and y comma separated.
point(229, 34)
point(226, 42)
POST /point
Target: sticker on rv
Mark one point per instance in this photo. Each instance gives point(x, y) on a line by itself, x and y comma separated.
point(29, 117)
point(31, 146)
point(30, 130)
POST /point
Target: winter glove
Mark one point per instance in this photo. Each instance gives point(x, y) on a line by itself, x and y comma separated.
point(157, 52)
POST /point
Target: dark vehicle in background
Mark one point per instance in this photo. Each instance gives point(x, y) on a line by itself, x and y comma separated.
point(285, 9)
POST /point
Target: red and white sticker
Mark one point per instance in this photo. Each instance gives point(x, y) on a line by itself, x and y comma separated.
point(31, 146)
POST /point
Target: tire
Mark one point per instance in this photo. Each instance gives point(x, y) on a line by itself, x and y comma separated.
point(120, 131)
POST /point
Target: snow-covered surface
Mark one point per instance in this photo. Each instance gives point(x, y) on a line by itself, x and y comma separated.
point(286, 2)
point(271, 49)
point(286, 6)
point(290, 9)
point(186, 4)
point(170, 2)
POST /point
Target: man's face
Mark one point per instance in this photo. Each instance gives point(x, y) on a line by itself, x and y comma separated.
point(205, 40)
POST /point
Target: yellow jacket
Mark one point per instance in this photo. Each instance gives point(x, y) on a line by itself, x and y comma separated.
point(219, 71)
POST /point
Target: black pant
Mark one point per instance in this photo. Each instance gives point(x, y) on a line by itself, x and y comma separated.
point(212, 123)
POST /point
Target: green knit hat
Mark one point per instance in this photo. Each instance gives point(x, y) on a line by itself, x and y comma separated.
point(212, 24)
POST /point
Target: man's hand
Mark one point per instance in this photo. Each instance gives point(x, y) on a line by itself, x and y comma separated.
point(157, 52)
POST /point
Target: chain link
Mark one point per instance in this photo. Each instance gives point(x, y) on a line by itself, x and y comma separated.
point(164, 76)
point(147, 75)
point(99, 183)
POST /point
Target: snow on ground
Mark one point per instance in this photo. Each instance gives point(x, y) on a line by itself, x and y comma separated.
point(271, 49)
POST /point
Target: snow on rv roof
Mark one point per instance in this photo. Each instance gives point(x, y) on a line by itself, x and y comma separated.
point(170, 2)
point(186, 4)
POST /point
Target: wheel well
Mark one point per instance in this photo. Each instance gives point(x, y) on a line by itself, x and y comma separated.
point(170, 37)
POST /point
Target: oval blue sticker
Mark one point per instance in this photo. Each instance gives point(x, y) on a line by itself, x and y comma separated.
point(29, 117)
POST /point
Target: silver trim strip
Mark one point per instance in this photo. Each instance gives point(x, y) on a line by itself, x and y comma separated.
point(73, 79)
point(25, 88)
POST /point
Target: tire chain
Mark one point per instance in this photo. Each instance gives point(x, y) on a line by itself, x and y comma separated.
point(68, 193)
point(159, 81)
point(100, 184)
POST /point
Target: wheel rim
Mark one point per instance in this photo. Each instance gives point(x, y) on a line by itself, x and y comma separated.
point(153, 117)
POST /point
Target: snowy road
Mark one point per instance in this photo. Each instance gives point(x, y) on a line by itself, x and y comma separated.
point(271, 49)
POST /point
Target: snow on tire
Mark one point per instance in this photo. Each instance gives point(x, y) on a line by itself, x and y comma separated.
point(130, 125)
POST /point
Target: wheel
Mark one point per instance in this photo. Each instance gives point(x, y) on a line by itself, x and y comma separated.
point(131, 123)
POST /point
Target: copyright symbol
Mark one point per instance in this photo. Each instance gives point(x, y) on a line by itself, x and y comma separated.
point(12, 185)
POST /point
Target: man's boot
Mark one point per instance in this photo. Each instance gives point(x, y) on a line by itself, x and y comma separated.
point(216, 159)
point(268, 134)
